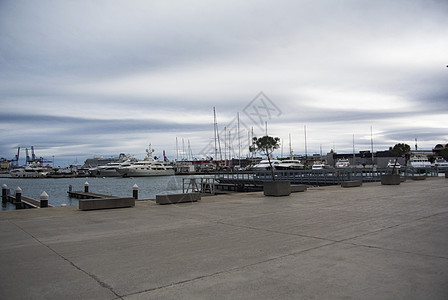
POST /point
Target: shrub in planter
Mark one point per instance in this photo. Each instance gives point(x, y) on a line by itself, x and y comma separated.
point(277, 188)
point(390, 179)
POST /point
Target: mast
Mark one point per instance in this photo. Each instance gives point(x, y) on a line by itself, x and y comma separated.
point(353, 149)
point(371, 142)
point(290, 147)
point(177, 150)
point(239, 140)
point(217, 143)
point(306, 150)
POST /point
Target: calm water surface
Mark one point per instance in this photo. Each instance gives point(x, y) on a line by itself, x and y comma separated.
point(57, 188)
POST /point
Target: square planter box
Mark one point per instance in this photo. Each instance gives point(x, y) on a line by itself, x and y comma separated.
point(390, 179)
point(277, 188)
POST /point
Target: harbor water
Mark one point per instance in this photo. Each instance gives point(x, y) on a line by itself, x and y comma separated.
point(56, 188)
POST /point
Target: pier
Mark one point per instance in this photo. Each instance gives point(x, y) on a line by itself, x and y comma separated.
point(22, 202)
point(253, 181)
point(370, 242)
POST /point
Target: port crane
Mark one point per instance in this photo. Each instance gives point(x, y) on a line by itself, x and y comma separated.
point(28, 160)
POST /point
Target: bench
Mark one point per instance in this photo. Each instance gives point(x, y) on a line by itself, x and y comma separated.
point(177, 198)
point(106, 203)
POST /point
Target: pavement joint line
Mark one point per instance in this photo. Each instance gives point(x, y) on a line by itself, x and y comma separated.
point(345, 241)
point(229, 270)
point(390, 227)
point(101, 283)
point(395, 250)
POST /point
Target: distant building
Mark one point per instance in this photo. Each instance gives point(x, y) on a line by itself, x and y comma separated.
point(4, 165)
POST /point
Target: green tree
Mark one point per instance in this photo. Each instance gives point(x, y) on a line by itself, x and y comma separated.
point(401, 149)
point(266, 145)
point(444, 153)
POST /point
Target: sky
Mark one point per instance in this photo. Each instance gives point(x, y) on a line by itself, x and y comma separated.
point(86, 78)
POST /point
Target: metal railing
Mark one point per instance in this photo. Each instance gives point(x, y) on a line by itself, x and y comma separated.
point(319, 177)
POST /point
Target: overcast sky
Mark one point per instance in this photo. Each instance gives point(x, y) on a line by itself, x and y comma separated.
point(84, 78)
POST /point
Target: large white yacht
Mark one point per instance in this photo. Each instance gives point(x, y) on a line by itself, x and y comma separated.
point(264, 165)
point(147, 167)
point(110, 169)
point(290, 164)
point(419, 161)
point(31, 171)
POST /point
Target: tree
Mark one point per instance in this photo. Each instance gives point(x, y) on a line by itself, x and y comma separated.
point(266, 145)
point(401, 149)
point(444, 153)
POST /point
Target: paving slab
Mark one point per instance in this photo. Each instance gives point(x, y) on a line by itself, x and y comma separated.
point(372, 242)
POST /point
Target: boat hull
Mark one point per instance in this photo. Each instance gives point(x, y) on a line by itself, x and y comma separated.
point(145, 173)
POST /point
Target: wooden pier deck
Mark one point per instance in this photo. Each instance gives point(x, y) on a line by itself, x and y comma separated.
point(26, 202)
point(88, 195)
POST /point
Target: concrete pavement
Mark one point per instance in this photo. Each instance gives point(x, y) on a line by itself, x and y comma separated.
point(369, 242)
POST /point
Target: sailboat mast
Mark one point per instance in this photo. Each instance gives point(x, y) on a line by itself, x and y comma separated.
point(306, 150)
point(353, 149)
point(371, 142)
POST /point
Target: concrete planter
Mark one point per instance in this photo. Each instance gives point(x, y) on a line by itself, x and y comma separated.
point(277, 188)
point(390, 179)
point(351, 183)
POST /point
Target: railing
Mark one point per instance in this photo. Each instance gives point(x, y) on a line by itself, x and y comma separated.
point(318, 177)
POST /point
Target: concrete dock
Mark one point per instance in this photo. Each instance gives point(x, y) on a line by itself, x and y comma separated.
point(369, 242)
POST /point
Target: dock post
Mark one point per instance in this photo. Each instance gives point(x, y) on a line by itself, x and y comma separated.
point(70, 188)
point(86, 187)
point(18, 201)
point(43, 199)
point(4, 193)
point(135, 191)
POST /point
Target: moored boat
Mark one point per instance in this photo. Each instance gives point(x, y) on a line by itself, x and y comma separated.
point(264, 165)
point(29, 172)
point(146, 167)
point(290, 164)
point(342, 163)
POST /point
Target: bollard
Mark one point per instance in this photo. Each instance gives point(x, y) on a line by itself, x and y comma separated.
point(43, 199)
point(135, 191)
point(4, 193)
point(18, 201)
point(86, 187)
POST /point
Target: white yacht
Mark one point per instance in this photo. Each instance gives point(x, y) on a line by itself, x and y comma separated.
point(264, 165)
point(29, 172)
point(289, 164)
point(393, 164)
point(147, 167)
point(110, 169)
point(419, 161)
point(342, 163)
point(318, 165)
point(441, 163)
